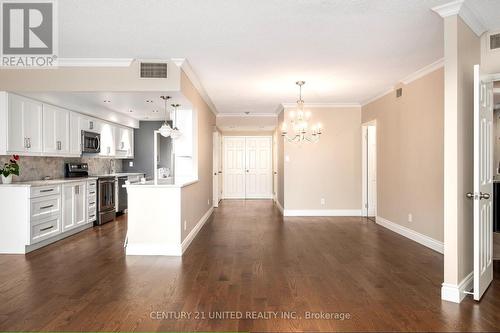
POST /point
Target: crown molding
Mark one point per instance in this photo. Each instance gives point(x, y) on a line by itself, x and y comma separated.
point(408, 79)
point(377, 96)
point(94, 62)
point(323, 105)
point(224, 115)
point(423, 71)
point(188, 70)
point(460, 8)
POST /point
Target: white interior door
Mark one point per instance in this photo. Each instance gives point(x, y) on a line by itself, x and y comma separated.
point(216, 168)
point(483, 184)
point(258, 167)
point(234, 167)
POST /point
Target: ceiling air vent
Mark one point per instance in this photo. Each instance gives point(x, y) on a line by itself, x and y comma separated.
point(154, 70)
point(495, 41)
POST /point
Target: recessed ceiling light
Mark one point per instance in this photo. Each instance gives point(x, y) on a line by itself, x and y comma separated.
point(155, 111)
point(130, 111)
point(107, 101)
point(149, 101)
point(247, 112)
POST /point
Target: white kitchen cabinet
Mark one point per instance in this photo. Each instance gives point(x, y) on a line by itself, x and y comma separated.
point(56, 129)
point(90, 124)
point(124, 142)
point(75, 134)
point(107, 140)
point(74, 199)
point(24, 126)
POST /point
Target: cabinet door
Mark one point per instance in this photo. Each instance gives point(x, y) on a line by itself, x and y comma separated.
point(25, 125)
point(80, 203)
point(122, 142)
point(75, 131)
point(55, 130)
point(131, 143)
point(74, 205)
point(32, 123)
point(17, 141)
point(68, 195)
point(107, 140)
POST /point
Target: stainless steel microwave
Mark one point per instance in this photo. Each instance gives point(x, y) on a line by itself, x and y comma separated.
point(91, 142)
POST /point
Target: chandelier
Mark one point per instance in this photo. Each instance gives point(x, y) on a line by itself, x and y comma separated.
point(299, 123)
point(165, 129)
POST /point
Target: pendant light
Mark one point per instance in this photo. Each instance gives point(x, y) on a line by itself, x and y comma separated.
point(175, 133)
point(165, 129)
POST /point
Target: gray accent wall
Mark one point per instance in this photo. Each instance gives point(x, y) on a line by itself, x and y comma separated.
point(144, 149)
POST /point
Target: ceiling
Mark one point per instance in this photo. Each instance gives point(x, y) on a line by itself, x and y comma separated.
point(248, 54)
point(137, 105)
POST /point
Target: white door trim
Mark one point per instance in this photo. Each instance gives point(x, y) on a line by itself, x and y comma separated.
point(364, 169)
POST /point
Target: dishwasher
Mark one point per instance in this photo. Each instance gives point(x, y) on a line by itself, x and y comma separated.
point(122, 195)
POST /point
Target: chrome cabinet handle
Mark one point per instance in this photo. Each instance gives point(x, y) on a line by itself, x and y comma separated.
point(479, 196)
point(47, 228)
point(49, 190)
point(45, 207)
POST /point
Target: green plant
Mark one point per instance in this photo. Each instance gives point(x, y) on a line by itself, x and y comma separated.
point(11, 168)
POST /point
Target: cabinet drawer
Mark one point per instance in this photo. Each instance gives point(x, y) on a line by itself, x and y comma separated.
point(41, 191)
point(44, 207)
point(92, 199)
point(45, 229)
point(92, 185)
point(92, 215)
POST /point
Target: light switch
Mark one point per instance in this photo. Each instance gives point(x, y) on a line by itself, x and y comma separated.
point(131, 163)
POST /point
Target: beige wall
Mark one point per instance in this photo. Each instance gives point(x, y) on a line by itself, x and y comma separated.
point(462, 52)
point(490, 60)
point(410, 154)
point(280, 193)
point(197, 198)
point(246, 123)
point(329, 169)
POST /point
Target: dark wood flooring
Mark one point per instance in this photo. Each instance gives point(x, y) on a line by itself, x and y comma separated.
point(246, 258)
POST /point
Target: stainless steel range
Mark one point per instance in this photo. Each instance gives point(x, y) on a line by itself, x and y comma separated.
point(105, 200)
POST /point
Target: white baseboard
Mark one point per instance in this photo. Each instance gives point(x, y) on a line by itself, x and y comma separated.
point(189, 238)
point(322, 212)
point(153, 250)
point(456, 293)
point(412, 234)
point(279, 206)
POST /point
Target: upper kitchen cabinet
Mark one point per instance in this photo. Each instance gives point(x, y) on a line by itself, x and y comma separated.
point(107, 140)
point(56, 131)
point(75, 134)
point(24, 126)
point(124, 142)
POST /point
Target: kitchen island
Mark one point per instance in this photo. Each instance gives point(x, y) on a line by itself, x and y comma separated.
point(160, 219)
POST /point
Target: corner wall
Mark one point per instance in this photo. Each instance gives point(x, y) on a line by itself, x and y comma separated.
point(197, 198)
point(462, 52)
point(410, 154)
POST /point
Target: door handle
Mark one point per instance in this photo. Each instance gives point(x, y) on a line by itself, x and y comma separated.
point(484, 196)
point(248, 170)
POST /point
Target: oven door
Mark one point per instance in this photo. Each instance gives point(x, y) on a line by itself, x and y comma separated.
point(106, 195)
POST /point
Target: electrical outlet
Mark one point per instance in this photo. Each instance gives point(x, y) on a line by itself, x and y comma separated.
point(322, 201)
point(410, 217)
point(185, 224)
point(131, 163)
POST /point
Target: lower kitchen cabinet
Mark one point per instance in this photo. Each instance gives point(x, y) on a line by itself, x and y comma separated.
point(74, 205)
point(35, 216)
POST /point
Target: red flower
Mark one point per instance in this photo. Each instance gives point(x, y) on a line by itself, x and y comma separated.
point(16, 157)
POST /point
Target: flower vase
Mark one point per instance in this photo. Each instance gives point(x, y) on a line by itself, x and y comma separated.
point(7, 180)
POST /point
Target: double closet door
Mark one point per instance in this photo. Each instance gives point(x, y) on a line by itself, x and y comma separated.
point(247, 167)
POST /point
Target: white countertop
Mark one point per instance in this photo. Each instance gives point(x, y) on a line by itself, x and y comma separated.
point(49, 182)
point(169, 183)
point(120, 174)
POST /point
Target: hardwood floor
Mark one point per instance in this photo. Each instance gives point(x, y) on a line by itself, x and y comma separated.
point(244, 259)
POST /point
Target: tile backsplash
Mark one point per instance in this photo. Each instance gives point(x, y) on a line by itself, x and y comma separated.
point(36, 168)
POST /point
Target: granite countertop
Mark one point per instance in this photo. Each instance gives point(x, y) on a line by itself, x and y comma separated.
point(48, 182)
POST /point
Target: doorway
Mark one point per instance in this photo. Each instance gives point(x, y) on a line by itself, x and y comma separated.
point(247, 167)
point(369, 169)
